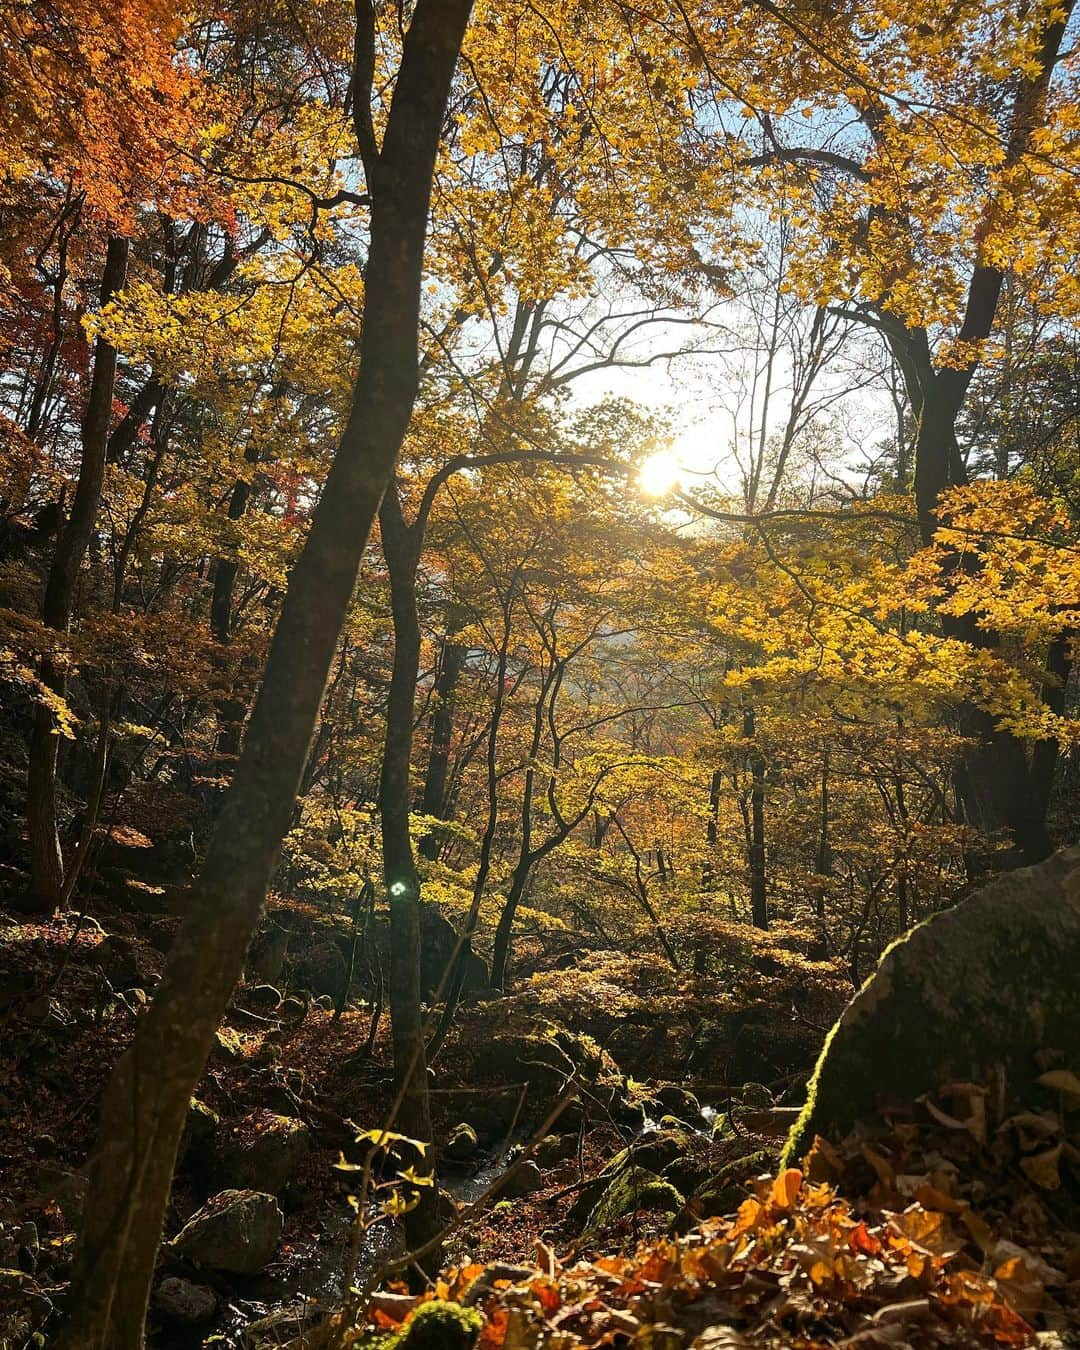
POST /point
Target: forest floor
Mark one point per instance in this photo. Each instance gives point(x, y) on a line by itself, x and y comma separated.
point(952, 1226)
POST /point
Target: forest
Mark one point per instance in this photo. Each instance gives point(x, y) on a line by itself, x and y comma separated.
point(539, 743)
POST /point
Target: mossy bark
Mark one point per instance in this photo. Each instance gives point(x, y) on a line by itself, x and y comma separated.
point(982, 986)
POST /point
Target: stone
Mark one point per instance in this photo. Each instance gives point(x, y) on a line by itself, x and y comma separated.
point(437, 1325)
point(525, 1179)
point(723, 1193)
point(200, 1130)
point(180, 1301)
point(555, 1148)
point(987, 983)
point(756, 1095)
point(264, 1151)
point(266, 958)
point(678, 1102)
point(64, 1188)
point(322, 970)
point(236, 1231)
point(631, 1189)
point(265, 996)
point(462, 1145)
point(229, 1044)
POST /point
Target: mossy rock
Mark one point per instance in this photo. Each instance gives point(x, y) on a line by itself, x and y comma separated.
point(439, 1325)
point(653, 1152)
point(632, 1189)
point(723, 1193)
point(983, 985)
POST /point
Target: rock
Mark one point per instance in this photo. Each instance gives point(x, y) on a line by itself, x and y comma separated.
point(266, 958)
point(555, 1148)
point(264, 1151)
point(322, 969)
point(438, 942)
point(200, 1130)
point(756, 1095)
point(64, 1188)
point(631, 1189)
point(294, 1007)
point(463, 1145)
point(724, 1193)
point(523, 1181)
point(279, 1097)
point(653, 1152)
point(546, 1062)
point(229, 1045)
point(987, 983)
point(236, 1231)
point(441, 1326)
point(180, 1301)
point(264, 996)
point(679, 1102)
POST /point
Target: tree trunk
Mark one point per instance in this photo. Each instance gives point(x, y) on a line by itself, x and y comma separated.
point(758, 903)
point(500, 951)
point(146, 1100)
point(451, 665)
point(46, 860)
point(823, 858)
point(403, 883)
point(994, 780)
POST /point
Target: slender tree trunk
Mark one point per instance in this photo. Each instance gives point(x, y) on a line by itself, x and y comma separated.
point(146, 1100)
point(46, 860)
point(500, 951)
point(758, 902)
point(403, 882)
point(712, 830)
point(451, 666)
point(823, 859)
point(230, 708)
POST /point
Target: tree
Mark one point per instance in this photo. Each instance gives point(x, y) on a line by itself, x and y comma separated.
point(146, 1101)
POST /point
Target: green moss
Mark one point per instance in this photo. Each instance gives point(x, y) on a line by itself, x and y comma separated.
point(723, 1193)
point(439, 1325)
point(631, 1189)
point(987, 983)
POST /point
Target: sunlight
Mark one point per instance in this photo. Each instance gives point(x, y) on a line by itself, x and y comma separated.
point(660, 474)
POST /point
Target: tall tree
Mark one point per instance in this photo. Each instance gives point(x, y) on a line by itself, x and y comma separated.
point(146, 1100)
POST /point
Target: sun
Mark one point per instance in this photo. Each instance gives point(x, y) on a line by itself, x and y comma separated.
point(660, 474)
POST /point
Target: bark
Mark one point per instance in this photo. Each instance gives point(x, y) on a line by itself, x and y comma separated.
point(823, 858)
point(403, 882)
point(231, 707)
point(46, 859)
point(434, 803)
point(995, 783)
point(146, 1099)
point(758, 899)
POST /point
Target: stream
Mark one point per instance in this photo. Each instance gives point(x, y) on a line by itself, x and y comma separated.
point(313, 1273)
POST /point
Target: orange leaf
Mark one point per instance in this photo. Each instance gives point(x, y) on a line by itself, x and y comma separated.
point(786, 1187)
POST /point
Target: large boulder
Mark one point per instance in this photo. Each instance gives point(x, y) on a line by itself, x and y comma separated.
point(236, 1231)
point(264, 1151)
point(322, 969)
point(985, 984)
